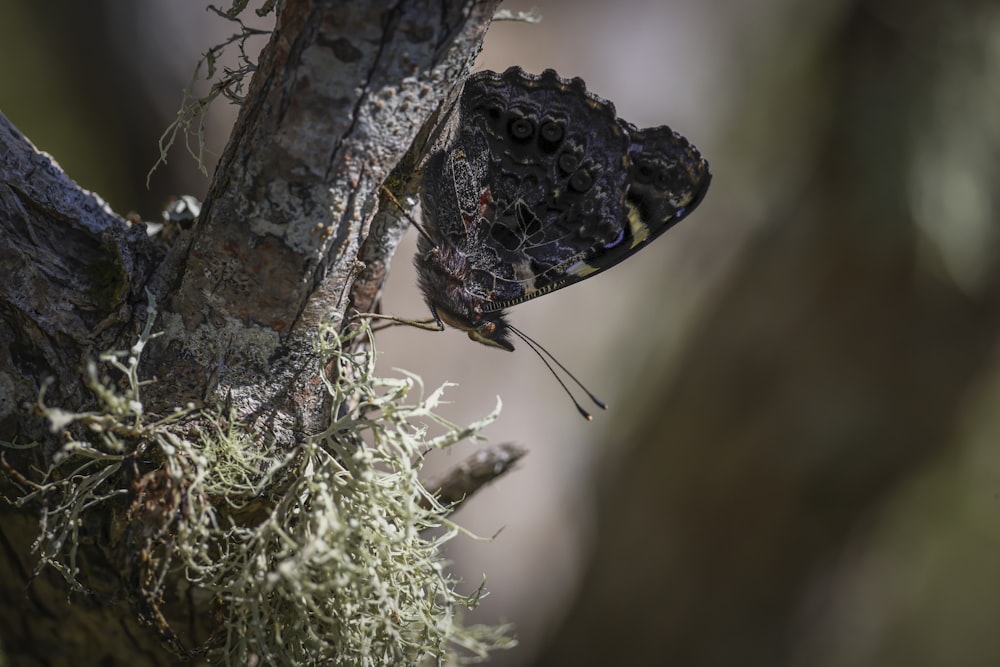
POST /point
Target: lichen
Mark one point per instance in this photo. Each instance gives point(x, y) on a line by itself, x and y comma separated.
point(327, 553)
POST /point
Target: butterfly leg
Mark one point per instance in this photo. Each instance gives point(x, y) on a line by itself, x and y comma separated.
point(429, 324)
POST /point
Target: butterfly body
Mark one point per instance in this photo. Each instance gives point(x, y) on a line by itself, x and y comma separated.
point(536, 184)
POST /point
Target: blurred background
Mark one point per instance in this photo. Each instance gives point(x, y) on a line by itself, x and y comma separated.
point(800, 464)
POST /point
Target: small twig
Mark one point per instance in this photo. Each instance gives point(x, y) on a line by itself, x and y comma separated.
point(475, 472)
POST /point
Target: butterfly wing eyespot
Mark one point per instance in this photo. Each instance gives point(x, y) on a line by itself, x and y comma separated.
point(581, 181)
point(645, 172)
point(550, 135)
point(568, 162)
point(521, 129)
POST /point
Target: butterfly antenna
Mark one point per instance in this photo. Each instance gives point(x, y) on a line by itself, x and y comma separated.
point(542, 354)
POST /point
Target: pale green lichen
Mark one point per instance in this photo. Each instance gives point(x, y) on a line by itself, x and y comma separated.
point(341, 562)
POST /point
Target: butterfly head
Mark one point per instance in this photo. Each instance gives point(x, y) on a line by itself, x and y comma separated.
point(486, 328)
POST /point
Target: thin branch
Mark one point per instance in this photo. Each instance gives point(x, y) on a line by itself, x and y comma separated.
point(468, 477)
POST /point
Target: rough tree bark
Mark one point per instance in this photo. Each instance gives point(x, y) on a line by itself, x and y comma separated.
point(339, 95)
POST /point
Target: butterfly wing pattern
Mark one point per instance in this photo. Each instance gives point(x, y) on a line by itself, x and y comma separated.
point(538, 185)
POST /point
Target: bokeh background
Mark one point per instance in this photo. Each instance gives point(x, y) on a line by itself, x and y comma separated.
point(801, 463)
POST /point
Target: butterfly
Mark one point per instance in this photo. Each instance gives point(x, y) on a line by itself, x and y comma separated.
point(534, 184)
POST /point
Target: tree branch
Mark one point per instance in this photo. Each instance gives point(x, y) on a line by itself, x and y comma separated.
point(474, 473)
point(71, 268)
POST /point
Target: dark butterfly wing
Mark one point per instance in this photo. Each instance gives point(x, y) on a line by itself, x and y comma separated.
point(667, 180)
point(539, 185)
point(534, 177)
